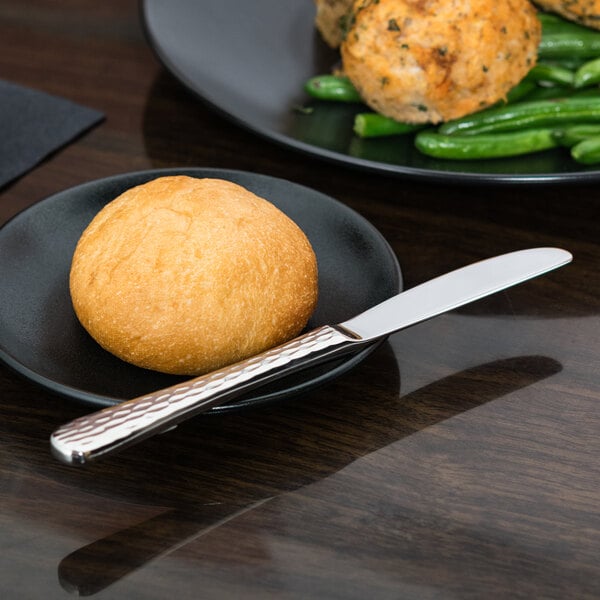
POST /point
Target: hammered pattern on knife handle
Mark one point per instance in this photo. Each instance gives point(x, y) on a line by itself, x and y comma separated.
point(113, 426)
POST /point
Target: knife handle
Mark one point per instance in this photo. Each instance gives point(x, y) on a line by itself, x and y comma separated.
point(124, 424)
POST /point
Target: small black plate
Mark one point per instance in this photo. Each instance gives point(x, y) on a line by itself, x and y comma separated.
point(41, 338)
point(250, 59)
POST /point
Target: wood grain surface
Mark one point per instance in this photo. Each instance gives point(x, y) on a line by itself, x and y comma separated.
point(460, 460)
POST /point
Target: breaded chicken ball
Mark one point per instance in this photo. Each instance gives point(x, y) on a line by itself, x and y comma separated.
point(586, 12)
point(330, 19)
point(425, 61)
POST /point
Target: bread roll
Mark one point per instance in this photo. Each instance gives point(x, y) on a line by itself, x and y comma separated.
point(184, 275)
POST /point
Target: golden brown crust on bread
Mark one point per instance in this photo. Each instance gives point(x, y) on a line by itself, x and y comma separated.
point(186, 275)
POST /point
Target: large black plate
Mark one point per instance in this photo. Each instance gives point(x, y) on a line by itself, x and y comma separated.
point(250, 58)
point(41, 338)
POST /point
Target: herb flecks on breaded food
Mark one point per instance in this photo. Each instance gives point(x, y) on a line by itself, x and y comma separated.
point(585, 12)
point(427, 61)
point(331, 19)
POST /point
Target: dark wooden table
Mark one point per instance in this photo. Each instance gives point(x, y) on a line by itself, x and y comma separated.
point(460, 460)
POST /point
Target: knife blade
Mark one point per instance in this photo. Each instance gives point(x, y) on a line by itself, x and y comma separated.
point(114, 428)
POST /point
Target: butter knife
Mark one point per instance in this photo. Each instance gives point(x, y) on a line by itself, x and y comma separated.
point(116, 427)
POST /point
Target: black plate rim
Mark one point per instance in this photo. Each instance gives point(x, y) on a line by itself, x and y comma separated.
point(414, 173)
point(257, 399)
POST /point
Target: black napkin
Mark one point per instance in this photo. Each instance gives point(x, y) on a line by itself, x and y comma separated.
point(34, 124)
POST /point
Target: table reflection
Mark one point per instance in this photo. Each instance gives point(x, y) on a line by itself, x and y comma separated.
point(227, 484)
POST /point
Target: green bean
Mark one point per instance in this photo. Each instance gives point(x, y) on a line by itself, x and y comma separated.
point(566, 41)
point(587, 151)
point(587, 74)
point(548, 93)
point(570, 135)
point(526, 114)
point(332, 87)
point(558, 92)
point(566, 63)
point(376, 125)
point(498, 145)
point(591, 92)
point(552, 23)
point(519, 91)
point(569, 44)
point(551, 73)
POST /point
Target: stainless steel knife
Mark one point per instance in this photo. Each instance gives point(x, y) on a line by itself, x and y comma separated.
point(116, 427)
